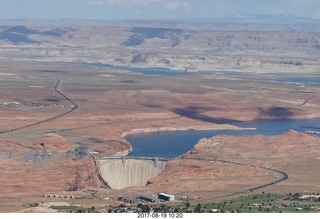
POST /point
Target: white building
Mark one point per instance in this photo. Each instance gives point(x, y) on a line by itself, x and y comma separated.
point(166, 197)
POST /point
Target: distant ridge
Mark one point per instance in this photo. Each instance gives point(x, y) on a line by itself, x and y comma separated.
point(224, 18)
point(257, 19)
point(20, 34)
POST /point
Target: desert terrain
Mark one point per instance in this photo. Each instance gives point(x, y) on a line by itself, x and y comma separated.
point(59, 116)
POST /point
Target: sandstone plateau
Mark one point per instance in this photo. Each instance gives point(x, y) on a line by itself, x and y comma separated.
point(60, 116)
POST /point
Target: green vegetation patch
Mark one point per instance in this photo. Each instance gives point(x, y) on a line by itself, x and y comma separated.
point(72, 208)
point(258, 203)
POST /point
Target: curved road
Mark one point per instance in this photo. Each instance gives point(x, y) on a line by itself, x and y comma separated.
point(98, 173)
point(284, 177)
point(75, 106)
point(57, 89)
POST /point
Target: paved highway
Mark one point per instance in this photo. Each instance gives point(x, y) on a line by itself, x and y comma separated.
point(283, 178)
point(74, 107)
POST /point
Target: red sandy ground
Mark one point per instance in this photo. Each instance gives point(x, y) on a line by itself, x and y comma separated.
point(112, 103)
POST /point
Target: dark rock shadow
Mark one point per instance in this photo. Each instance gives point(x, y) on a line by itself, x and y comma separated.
point(51, 71)
point(195, 113)
point(277, 112)
point(153, 106)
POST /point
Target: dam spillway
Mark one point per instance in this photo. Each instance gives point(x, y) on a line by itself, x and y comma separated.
point(124, 172)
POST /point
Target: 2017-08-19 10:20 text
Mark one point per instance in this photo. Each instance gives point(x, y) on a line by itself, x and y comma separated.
point(160, 215)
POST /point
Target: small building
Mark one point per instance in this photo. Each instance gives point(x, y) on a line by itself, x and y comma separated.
point(148, 199)
point(166, 197)
point(129, 200)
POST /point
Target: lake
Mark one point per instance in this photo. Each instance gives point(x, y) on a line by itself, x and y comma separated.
point(172, 144)
point(164, 71)
point(145, 71)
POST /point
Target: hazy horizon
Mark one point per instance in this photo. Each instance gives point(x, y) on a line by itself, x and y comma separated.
point(155, 9)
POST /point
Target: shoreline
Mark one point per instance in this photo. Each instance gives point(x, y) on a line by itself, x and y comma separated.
point(167, 128)
point(151, 130)
point(138, 131)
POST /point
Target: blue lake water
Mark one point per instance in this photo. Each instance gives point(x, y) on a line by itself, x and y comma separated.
point(146, 71)
point(173, 72)
point(175, 143)
point(163, 71)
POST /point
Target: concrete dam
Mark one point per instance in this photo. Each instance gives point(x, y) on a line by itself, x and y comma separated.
point(124, 172)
